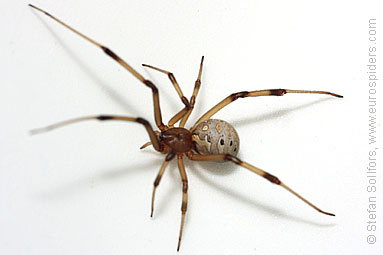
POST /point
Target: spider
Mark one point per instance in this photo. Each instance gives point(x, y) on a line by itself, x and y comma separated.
point(207, 140)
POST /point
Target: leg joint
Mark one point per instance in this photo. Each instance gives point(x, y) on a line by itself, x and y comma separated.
point(151, 85)
point(157, 181)
point(172, 78)
point(272, 178)
point(184, 207)
point(104, 117)
point(184, 186)
point(110, 53)
point(197, 83)
point(233, 159)
point(277, 92)
point(170, 155)
point(237, 95)
point(192, 101)
point(143, 121)
point(186, 102)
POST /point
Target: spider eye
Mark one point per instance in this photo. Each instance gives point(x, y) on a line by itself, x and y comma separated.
point(231, 143)
point(222, 142)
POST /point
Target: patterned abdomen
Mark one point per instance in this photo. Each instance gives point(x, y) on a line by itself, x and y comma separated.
point(215, 137)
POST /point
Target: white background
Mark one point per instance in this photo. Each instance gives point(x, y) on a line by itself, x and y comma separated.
point(86, 189)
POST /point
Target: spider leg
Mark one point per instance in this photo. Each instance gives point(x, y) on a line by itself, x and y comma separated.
point(256, 93)
point(197, 85)
point(264, 174)
point(185, 112)
point(184, 100)
point(169, 157)
point(173, 80)
point(152, 135)
point(110, 53)
point(178, 116)
point(184, 178)
point(145, 145)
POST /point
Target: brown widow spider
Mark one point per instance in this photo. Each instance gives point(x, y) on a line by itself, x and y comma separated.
point(208, 139)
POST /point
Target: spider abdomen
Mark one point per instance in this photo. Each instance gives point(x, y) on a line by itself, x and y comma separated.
point(215, 136)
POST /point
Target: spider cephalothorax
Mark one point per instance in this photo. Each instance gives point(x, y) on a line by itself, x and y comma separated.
point(178, 139)
point(207, 140)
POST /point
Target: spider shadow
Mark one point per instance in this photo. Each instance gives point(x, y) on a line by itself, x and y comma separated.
point(101, 84)
point(103, 177)
point(121, 173)
point(251, 201)
point(278, 113)
point(227, 169)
